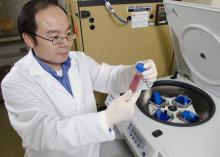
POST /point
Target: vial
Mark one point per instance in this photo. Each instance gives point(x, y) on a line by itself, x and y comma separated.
point(137, 77)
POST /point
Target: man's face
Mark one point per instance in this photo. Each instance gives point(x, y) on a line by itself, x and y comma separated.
point(52, 22)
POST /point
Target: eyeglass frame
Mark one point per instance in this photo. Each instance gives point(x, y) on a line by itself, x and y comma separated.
point(59, 38)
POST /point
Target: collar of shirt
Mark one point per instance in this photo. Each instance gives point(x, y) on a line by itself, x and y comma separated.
point(64, 79)
point(65, 66)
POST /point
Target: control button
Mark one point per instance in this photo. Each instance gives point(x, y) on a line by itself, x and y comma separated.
point(92, 27)
point(129, 18)
point(138, 145)
point(157, 133)
point(151, 16)
point(130, 134)
point(91, 20)
point(143, 153)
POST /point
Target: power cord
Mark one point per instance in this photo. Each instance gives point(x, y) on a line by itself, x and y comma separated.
point(171, 63)
point(112, 11)
point(174, 76)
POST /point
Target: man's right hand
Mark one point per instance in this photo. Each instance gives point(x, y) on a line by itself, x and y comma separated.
point(122, 108)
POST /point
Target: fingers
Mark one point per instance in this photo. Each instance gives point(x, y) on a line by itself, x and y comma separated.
point(149, 77)
point(130, 97)
point(151, 80)
point(126, 96)
point(148, 64)
point(151, 73)
point(134, 96)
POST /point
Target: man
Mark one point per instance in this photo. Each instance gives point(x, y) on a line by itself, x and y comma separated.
point(49, 92)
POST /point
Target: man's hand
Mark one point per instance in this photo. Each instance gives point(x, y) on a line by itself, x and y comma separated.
point(150, 74)
point(122, 108)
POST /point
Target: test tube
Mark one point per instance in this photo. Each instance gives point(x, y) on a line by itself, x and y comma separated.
point(137, 77)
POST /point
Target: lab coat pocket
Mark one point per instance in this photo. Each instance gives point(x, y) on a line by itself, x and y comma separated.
point(64, 104)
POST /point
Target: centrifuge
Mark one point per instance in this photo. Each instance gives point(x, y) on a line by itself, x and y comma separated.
point(182, 118)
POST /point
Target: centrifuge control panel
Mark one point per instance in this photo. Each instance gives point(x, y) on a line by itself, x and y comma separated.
point(138, 145)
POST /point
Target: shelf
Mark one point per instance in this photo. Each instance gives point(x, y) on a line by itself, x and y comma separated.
point(7, 39)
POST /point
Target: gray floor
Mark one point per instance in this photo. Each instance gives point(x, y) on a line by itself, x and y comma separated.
point(10, 143)
point(116, 148)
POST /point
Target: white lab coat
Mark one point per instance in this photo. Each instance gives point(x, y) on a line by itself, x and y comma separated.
point(50, 121)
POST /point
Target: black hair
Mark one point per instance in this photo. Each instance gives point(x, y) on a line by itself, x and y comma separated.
point(26, 19)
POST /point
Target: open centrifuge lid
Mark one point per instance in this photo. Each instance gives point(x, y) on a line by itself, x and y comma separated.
point(195, 32)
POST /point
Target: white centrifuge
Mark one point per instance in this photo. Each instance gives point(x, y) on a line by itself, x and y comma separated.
point(195, 32)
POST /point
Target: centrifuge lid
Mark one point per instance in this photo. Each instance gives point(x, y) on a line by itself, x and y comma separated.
point(196, 39)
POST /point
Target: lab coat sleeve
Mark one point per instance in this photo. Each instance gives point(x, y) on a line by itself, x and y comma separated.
point(110, 78)
point(40, 127)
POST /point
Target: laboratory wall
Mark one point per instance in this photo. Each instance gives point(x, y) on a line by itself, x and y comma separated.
point(104, 38)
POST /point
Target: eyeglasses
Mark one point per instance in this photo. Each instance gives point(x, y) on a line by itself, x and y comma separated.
point(58, 40)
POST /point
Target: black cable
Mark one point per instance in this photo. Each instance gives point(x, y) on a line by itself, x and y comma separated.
point(174, 76)
point(171, 64)
point(119, 18)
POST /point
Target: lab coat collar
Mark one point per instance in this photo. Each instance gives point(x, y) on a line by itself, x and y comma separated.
point(41, 75)
point(33, 66)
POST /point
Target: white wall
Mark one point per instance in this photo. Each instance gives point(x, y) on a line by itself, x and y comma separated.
point(208, 2)
point(215, 3)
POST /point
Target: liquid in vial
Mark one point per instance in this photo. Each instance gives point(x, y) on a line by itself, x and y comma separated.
point(137, 77)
